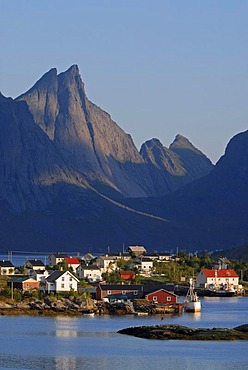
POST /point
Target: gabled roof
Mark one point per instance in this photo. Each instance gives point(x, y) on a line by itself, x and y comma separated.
point(162, 290)
point(126, 287)
point(21, 279)
point(59, 255)
point(90, 267)
point(4, 263)
point(136, 249)
point(57, 274)
point(220, 273)
point(72, 261)
point(36, 262)
point(54, 276)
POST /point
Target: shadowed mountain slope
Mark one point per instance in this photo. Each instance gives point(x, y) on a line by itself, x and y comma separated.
point(212, 211)
point(172, 168)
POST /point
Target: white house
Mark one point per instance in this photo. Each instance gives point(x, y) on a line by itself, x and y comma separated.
point(39, 275)
point(146, 265)
point(106, 263)
point(61, 281)
point(143, 264)
point(56, 258)
point(6, 268)
point(221, 278)
point(34, 265)
point(90, 272)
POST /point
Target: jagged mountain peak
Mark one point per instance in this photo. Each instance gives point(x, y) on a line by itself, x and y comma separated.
point(73, 70)
point(152, 142)
point(181, 142)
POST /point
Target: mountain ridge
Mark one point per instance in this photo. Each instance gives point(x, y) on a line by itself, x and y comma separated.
point(70, 177)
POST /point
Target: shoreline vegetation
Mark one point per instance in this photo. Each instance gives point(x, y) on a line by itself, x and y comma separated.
point(174, 332)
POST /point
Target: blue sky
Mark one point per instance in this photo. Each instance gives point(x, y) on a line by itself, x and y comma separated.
point(159, 67)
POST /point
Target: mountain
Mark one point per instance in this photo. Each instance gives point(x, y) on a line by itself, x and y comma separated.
point(212, 211)
point(31, 170)
point(71, 178)
point(172, 168)
point(92, 143)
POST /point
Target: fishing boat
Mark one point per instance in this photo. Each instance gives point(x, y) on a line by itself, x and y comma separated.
point(192, 302)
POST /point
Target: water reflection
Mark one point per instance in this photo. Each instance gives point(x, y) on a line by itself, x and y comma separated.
point(66, 363)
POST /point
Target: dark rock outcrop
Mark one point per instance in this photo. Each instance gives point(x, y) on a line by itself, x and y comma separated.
point(166, 332)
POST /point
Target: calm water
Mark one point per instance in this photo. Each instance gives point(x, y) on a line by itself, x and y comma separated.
point(93, 343)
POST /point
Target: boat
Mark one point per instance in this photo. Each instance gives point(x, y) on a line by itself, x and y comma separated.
point(89, 314)
point(215, 292)
point(192, 302)
point(219, 290)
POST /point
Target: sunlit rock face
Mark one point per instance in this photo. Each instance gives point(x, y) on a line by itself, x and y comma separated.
point(92, 143)
point(87, 137)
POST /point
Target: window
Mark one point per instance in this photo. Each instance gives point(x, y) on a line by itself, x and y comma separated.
point(70, 286)
point(168, 299)
point(109, 292)
point(123, 292)
point(63, 279)
point(135, 292)
point(70, 279)
point(62, 285)
point(155, 298)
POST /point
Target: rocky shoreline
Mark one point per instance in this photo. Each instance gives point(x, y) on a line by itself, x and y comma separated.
point(75, 306)
point(175, 332)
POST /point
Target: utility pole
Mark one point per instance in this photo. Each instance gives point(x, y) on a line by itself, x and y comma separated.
point(10, 256)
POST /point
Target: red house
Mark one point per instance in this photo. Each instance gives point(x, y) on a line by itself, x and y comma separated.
point(162, 296)
point(127, 275)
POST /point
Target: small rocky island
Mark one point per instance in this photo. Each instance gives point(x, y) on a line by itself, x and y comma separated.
point(167, 332)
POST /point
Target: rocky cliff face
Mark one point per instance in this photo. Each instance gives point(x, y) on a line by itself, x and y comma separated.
point(86, 135)
point(66, 170)
point(93, 144)
point(212, 210)
point(172, 168)
point(31, 170)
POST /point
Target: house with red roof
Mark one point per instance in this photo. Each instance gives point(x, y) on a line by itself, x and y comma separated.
point(72, 263)
point(223, 278)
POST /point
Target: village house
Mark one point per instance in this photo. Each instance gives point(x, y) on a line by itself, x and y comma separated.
point(143, 264)
point(127, 275)
point(6, 268)
point(107, 263)
point(136, 250)
point(223, 278)
point(90, 272)
point(161, 257)
point(24, 283)
point(87, 258)
point(33, 265)
point(162, 296)
point(61, 281)
point(72, 263)
point(118, 291)
point(39, 275)
point(56, 258)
